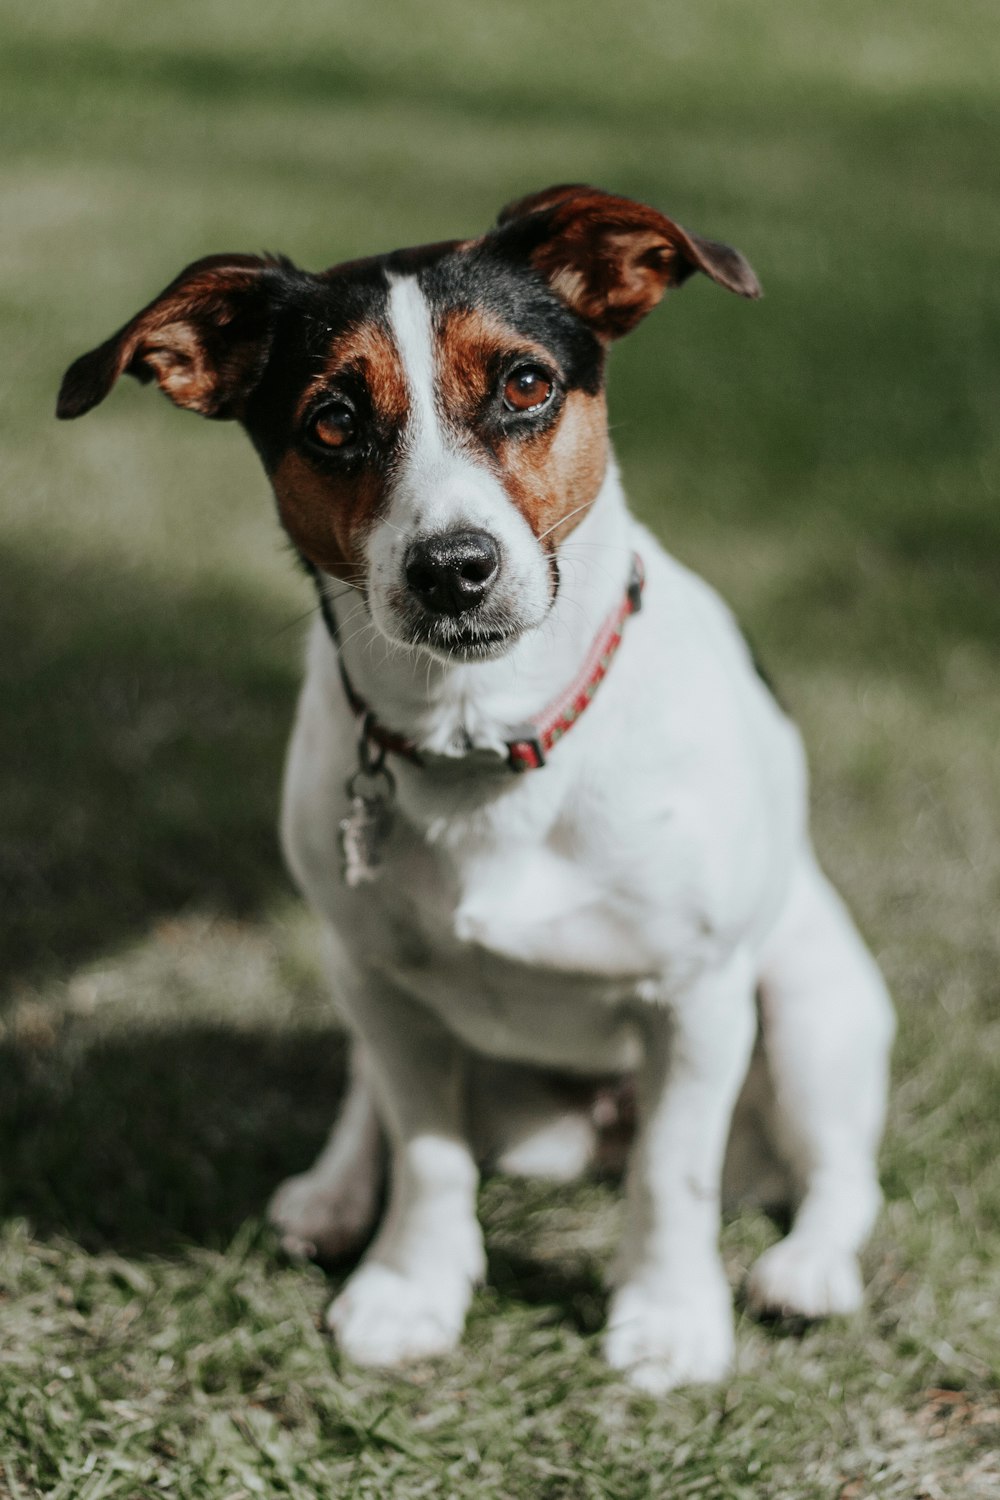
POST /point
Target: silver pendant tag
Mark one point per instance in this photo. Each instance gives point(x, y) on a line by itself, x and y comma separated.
point(362, 834)
point(370, 792)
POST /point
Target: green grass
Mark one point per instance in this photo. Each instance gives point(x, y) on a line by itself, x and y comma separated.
point(829, 458)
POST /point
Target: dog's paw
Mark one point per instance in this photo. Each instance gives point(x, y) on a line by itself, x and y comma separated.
point(316, 1217)
point(664, 1341)
point(805, 1279)
point(383, 1317)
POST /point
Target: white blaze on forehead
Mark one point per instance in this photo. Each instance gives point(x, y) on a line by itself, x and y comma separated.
point(410, 319)
point(440, 485)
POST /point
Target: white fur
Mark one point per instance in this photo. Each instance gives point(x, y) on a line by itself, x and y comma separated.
point(615, 910)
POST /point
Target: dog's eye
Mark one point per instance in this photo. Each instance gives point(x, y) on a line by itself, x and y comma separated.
point(334, 426)
point(527, 388)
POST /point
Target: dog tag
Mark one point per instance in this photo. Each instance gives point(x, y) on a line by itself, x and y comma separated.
point(370, 795)
point(362, 834)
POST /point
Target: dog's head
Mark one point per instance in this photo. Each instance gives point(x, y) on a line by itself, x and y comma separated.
point(432, 420)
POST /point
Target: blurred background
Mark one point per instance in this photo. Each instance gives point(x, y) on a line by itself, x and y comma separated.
point(828, 458)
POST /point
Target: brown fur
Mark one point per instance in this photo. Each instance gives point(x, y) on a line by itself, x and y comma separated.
point(366, 350)
point(470, 344)
point(326, 519)
point(203, 340)
point(207, 339)
point(175, 356)
point(547, 475)
point(328, 516)
point(611, 260)
point(553, 474)
point(553, 478)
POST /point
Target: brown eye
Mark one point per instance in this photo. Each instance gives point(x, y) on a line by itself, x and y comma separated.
point(333, 427)
point(528, 388)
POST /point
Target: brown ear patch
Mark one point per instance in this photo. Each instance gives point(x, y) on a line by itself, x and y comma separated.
point(609, 259)
point(204, 340)
point(533, 203)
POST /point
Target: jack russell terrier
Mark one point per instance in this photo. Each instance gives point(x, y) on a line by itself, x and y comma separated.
point(553, 818)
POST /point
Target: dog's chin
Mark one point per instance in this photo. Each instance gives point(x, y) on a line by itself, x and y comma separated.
point(453, 641)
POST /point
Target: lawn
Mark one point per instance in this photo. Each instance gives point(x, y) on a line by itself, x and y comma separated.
point(828, 458)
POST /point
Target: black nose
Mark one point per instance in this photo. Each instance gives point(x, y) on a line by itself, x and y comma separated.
point(453, 571)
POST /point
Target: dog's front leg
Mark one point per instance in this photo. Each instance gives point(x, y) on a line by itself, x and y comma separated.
point(408, 1298)
point(670, 1320)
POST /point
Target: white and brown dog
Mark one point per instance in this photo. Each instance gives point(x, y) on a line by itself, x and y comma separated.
point(538, 854)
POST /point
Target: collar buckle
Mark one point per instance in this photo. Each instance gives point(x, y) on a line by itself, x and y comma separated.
point(525, 751)
point(477, 757)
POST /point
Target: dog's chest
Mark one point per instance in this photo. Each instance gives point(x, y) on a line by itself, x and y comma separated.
point(531, 937)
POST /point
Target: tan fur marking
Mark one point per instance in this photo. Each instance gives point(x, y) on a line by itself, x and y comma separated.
point(569, 284)
point(201, 340)
point(328, 516)
point(175, 355)
point(549, 475)
point(470, 341)
point(557, 474)
point(370, 352)
point(327, 519)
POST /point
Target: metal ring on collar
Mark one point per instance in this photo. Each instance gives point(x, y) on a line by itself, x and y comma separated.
point(371, 754)
point(376, 785)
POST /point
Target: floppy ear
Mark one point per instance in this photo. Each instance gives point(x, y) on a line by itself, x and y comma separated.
point(610, 259)
point(204, 340)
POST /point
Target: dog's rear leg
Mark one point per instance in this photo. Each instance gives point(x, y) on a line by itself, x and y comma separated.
point(525, 1123)
point(828, 1027)
point(331, 1209)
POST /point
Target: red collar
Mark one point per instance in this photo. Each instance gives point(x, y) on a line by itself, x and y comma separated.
point(530, 743)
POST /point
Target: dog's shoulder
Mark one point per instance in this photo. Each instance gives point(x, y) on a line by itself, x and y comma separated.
point(691, 672)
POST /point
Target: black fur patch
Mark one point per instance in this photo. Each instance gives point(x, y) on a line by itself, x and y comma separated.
point(313, 312)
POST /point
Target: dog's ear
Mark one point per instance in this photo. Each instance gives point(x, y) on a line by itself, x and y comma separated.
point(204, 340)
point(610, 259)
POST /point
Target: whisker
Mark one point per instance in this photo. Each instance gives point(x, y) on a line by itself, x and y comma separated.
point(368, 625)
point(359, 609)
point(563, 519)
point(314, 609)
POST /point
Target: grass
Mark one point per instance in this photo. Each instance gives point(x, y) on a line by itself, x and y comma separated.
point(828, 458)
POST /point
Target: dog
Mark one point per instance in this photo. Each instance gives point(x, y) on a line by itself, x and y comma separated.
point(553, 818)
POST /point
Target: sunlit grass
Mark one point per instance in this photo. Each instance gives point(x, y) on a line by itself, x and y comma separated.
point(829, 458)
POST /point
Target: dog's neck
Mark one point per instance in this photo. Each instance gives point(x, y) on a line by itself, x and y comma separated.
point(449, 708)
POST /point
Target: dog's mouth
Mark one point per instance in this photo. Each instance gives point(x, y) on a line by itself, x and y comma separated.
point(463, 640)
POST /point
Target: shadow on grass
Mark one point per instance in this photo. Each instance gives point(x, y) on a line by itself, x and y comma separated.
point(141, 1142)
point(141, 742)
point(144, 1142)
point(574, 1291)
